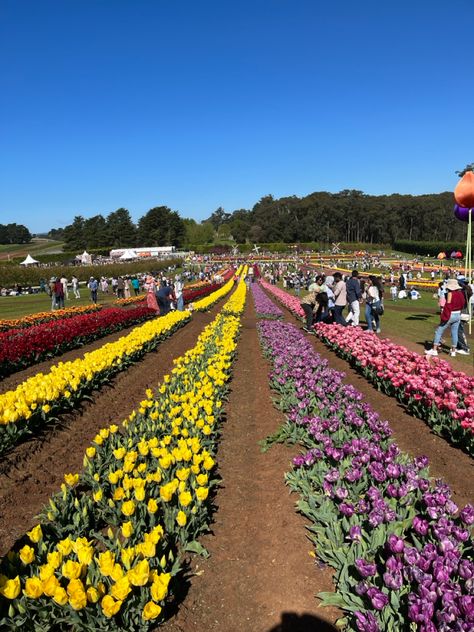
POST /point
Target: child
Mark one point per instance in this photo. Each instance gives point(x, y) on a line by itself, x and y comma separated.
point(393, 292)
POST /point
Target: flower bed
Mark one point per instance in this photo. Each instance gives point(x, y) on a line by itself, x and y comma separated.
point(264, 307)
point(44, 317)
point(24, 347)
point(432, 391)
point(109, 546)
point(292, 303)
point(400, 547)
point(37, 400)
point(206, 303)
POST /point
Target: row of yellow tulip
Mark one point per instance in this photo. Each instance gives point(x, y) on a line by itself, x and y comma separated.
point(109, 544)
point(205, 303)
point(39, 398)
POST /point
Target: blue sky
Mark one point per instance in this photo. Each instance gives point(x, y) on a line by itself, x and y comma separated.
point(194, 105)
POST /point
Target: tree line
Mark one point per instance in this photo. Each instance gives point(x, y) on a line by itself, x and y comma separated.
point(349, 216)
point(14, 234)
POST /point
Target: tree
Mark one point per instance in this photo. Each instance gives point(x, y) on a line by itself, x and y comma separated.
point(202, 233)
point(73, 234)
point(161, 227)
point(95, 232)
point(218, 217)
point(14, 234)
point(121, 231)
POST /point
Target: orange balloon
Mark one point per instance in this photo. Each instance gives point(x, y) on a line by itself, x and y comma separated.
point(464, 191)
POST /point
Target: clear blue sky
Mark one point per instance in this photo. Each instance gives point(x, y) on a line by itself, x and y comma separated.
point(206, 103)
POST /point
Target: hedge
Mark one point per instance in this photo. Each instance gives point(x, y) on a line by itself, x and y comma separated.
point(428, 248)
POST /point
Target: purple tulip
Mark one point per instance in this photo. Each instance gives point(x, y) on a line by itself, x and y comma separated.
point(420, 526)
point(366, 569)
point(355, 534)
point(467, 515)
point(395, 544)
point(366, 622)
point(378, 599)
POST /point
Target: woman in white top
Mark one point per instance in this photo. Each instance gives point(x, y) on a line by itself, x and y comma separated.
point(373, 300)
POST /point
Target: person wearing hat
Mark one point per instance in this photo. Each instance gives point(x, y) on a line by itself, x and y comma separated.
point(150, 287)
point(450, 317)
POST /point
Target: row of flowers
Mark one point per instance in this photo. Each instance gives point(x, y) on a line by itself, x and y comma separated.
point(20, 348)
point(206, 303)
point(401, 548)
point(432, 391)
point(108, 548)
point(39, 399)
point(264, 307)
point(45, 317)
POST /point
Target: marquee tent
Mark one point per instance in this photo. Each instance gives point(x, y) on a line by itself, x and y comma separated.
point(128, 254)
point(29, 261)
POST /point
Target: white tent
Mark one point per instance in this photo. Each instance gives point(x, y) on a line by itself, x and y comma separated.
point(28, 261)
point(85, 257)
point(128, 254)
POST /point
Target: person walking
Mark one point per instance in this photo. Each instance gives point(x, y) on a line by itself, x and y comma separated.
point(450, 317)
point(126, 287)
point(354, 296)
point(120, 287)
point(340, 298)
point(164, 296)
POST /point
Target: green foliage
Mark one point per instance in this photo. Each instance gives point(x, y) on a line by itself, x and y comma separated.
point(428, 248)
point(161, 227)
point(14, 234)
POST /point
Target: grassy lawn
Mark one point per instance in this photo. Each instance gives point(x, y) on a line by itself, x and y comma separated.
point(18, 306)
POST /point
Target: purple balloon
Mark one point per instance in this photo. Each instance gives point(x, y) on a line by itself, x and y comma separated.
point(461, 213)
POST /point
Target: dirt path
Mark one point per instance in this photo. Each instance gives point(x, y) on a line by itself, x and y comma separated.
point(260, 576)
point(34, 470)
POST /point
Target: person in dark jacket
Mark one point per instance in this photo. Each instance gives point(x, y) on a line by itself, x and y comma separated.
point(354, 296)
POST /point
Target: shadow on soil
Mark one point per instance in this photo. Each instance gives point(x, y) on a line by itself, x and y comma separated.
point(292, 622)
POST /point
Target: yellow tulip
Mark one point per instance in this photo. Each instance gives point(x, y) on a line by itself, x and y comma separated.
point(71, 479)
point(151, 611)
point(33, 587)
point(50, 585)
point(11, 588)
point(110, 607)
point(121, 588)
point(181, 518)
point(106, 563)
point(27, 554)
point(71, 569)
point(138, 575)
point(35, 534)
point(92, 594)
point(152, 506)
point(128, 508)
point(60, 596)
point(127, 529)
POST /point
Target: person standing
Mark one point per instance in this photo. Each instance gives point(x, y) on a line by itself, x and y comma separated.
point(150, 287)
point(178, 292)
point(340, 297)
point(59, 294)
point(65, 291)
point(354, 296)
point(450, 317)
point(75, 286)
point(120, 288)
point(93, 286)
point(52, 292)
point(373, 300)
point(126, 287)
point(308, 303)
point(164, 297)
point(136, 285)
